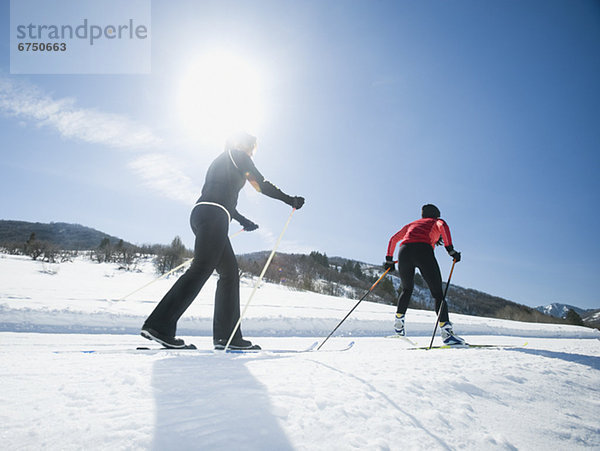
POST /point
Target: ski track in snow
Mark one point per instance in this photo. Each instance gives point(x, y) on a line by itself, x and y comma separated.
point(377, 396)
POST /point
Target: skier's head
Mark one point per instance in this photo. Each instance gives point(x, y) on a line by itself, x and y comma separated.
point(430, 211)
point(241, 141)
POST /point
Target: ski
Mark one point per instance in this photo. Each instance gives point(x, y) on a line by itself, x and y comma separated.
point(139, 350)
point(402, 338)
point(192, 350)
point(467, 346)
point(164, 348)
point(345, 348)
point(311, 348)
point(273, 351)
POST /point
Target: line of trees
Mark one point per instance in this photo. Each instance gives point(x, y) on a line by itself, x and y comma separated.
point(126, 255)
point(316, 272)
point(341, 277)
point(39, 250)
point(170, 257)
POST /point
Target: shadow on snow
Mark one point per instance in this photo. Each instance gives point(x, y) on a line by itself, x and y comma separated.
point(587, 360)
point(212, 402)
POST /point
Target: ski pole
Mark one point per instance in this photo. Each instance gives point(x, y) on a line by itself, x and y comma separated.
point(442, 304)
point(162, 276)
point(233, 235)
point(170, 272)
point(353, 308)
point(264, 270)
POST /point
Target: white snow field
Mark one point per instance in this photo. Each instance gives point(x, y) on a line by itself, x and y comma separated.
point(378, 395)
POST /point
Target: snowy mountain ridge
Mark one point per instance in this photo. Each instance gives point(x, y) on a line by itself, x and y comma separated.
point(559, 310)
point(590, 317)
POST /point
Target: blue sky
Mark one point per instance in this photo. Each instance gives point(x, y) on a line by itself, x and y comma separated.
point(369, 109)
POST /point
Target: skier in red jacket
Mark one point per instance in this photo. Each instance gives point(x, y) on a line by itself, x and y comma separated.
point(418, 240)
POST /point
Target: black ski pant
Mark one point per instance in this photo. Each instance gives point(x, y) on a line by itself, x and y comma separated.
point(420, 255)
point(212, 250)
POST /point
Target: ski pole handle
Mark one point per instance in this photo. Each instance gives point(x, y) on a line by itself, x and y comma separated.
point(233, 235)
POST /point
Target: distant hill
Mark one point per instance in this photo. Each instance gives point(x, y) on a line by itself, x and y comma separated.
point(338, 276)
point(316, 272)
point(65, 236)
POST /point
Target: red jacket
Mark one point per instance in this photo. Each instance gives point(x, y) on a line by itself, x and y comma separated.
point(426, 230)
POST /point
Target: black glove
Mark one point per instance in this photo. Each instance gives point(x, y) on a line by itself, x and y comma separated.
point(296, 202)
point(389, 264)
point(453, 253)
point(248, 225)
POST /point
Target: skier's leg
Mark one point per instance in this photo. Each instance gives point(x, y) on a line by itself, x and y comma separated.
point(210, 225)
point(227, 297)
point(430, 270)
point(406, 271)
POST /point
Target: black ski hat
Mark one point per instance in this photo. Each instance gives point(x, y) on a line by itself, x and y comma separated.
point(430, 211)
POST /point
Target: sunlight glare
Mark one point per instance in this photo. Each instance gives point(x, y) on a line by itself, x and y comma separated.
point(218, 94)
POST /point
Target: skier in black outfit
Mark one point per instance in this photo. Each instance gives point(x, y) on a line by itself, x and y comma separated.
point(210, 220)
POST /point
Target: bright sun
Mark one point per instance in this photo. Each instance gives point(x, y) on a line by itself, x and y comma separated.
point(219, 93)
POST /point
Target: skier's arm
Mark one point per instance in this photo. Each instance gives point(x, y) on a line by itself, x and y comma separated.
point(445, 231)
point(394, 241)
point(256, 179)
point(248, 225)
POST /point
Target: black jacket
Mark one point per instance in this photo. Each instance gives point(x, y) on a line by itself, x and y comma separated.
point(227, 175)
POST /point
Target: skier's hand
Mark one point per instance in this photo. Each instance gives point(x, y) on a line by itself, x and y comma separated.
point(389, 264)
point(248, 225)
point(297, 202)
point(454, 254)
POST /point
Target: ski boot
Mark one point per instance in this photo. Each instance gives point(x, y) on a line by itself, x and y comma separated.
point(448, 335)
point(239, 344)
point(166, 341)
point(399, 324)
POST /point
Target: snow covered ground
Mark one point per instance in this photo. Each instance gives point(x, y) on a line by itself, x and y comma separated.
point(378, 395)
